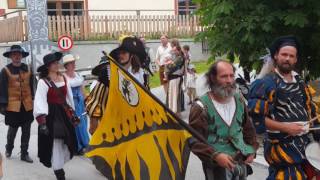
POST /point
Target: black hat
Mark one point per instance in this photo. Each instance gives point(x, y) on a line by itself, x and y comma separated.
point(284, 41)
point(96, 70)
point(48, 59)
point(133, 45)
point(16, 48)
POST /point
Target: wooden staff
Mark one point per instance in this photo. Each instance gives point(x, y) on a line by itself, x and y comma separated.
point(314, 119)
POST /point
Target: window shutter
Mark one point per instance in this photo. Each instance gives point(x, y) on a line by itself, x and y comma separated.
point(12, 4)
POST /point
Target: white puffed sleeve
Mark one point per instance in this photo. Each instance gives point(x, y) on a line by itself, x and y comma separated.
point(40, 100)
point(69, 96)
point(76, 81)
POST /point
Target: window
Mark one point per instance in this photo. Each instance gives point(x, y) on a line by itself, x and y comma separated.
point(51, 6)
point(186, 7)
point(16, 4)
point(65, 8)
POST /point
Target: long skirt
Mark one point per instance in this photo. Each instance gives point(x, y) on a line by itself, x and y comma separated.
point(82, 127)
point(175, 96)
point(61, 128)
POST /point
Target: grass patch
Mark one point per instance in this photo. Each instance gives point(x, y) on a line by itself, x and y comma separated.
point(201, 67)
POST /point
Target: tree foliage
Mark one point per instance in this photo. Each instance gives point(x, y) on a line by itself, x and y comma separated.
point(248, 27)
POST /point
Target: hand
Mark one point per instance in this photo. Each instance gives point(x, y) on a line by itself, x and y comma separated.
point(43, 129)
point(294, 129)
point(93, 125)
point(249, 159)
point(225, 161)
point(3, 110)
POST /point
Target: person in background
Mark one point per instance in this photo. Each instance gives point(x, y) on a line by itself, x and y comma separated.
point(187, 54)
point(163, 50)
point(16, 100)
point(57, 140)
point(76, 82)
point(191, 83)
point(175, 72)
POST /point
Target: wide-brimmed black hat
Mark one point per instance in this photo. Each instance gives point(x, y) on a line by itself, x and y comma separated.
point(133, 45)
point(284, 41)
point(16, 48)
point(102, 63)
point(48, 59)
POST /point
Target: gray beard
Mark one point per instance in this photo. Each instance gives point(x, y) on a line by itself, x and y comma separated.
point(222, 92)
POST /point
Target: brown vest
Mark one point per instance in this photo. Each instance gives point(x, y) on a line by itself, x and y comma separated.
point(19, 91)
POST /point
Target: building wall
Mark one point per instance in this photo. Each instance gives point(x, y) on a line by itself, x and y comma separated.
point(4, 5)
point(132, 5)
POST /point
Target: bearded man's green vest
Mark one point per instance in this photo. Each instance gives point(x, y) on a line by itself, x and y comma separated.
point(222, 137)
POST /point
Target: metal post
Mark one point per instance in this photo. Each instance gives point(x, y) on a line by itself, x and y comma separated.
point(138, 23)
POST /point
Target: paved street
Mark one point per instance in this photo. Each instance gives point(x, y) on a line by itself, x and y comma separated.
point(81, 168)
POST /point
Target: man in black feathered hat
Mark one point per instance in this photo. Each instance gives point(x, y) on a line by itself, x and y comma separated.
point(16, 99)
point(281, 106)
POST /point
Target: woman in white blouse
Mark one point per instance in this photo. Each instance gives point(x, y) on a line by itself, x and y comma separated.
point(57, 141)
point(76, 82)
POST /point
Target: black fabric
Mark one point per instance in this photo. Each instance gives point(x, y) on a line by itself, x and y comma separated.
point(25, 137)
point(66, 132)
point(17, 119)
point(284, 41)
point(15, 48)
point(48, 59)
point(60, 175)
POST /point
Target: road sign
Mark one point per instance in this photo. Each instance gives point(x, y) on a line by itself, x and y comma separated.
point(65, 43)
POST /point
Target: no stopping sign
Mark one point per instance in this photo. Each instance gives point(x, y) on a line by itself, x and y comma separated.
point(65, 43)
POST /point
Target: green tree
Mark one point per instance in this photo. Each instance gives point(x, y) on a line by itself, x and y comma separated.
point(248, 27)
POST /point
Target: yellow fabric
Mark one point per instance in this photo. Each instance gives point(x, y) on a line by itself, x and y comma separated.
point(137, 127)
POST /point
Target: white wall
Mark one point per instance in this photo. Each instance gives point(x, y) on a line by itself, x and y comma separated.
point(132, 5)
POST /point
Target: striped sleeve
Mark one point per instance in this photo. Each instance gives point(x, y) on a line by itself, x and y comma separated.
point(260, 102)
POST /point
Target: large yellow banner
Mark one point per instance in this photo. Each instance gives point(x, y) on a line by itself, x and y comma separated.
point(138, 137)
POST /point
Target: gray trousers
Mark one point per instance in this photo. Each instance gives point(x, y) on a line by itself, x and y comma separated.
point(25, 137)
point(219, 173)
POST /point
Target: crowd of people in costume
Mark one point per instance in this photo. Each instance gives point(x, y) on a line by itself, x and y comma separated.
point(279, 105)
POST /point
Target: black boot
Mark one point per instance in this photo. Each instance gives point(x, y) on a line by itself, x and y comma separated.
point(8, 153)
point(25, 157)
point(60, 174)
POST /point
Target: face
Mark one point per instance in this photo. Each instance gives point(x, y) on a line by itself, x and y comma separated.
point(286, 59)
point(142, 40)
point(124, 57)
point(175, 49)
point(225, 86)
point(164, 40)
point(54, 66)
point(71, 66)
point(16, 57)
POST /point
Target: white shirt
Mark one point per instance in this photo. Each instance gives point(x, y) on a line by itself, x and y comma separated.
point(191, 80)
point(40, 100)
point(163, 52)
point(75, 81)
point(138, 75)
point(226, 111)
point(293, 74)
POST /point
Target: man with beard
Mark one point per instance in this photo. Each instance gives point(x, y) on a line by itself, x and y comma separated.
point(281, 106)
point(16, 100)
point(221, 117)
